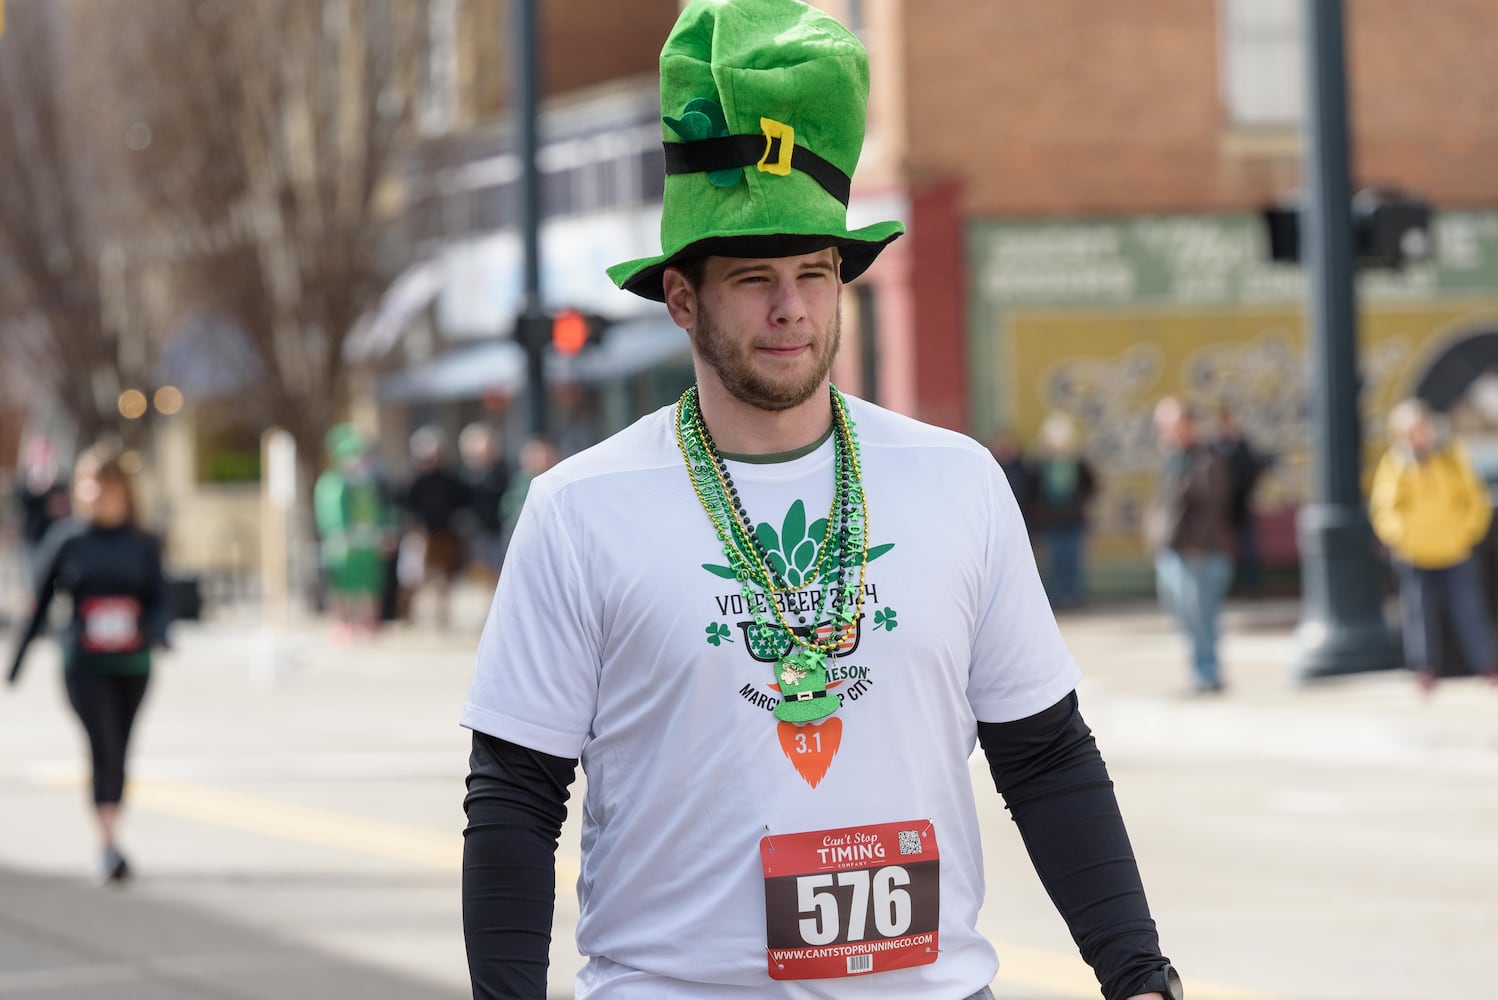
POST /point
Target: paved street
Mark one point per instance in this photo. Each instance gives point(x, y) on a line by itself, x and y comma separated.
point(296, 810)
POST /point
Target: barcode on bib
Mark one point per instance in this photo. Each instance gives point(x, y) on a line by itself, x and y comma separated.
point(860, 963)
point(910, 842)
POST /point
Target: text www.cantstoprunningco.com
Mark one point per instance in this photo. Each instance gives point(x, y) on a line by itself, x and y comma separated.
point(837, 951)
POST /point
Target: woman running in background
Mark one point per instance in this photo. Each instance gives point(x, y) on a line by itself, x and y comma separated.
point(112, 571)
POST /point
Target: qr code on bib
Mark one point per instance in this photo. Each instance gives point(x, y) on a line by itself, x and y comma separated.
point(910, 842)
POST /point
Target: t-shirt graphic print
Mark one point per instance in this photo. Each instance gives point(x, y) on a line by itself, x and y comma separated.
point(793, 550)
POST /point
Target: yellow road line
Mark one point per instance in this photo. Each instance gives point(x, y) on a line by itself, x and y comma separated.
point(1064, 974)
point(339, 831)
point(304, 824)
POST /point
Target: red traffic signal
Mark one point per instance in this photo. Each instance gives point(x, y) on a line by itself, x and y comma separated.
point(569, 332)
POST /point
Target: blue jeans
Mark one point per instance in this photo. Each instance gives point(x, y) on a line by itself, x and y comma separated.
point(1064, 559)
point(1425, 596)
point(1191, 590)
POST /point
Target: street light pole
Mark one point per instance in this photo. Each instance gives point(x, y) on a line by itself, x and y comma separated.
point(1342, 628)
point(531, 326)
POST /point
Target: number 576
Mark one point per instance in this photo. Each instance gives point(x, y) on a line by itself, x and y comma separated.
point(891, 904)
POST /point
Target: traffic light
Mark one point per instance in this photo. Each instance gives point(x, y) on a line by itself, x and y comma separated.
point(1390, 228)
point(1282, 226)
point(572, 331)
point(1393, 229)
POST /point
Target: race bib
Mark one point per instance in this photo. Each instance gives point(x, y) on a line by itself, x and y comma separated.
point(854, 901)
point(110, 624)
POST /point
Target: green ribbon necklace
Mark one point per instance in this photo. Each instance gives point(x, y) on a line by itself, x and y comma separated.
point(800, 668)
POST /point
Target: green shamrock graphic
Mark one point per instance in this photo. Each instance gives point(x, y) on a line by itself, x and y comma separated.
point(793, 551)
point(885, 619)
point(717, 633)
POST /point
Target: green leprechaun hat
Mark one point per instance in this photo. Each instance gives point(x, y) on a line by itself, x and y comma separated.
point(763, 103)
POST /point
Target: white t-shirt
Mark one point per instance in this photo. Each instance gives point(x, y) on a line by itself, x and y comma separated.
point(615, 636)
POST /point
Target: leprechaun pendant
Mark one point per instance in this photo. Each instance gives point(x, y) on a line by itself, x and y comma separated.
point(804, 697)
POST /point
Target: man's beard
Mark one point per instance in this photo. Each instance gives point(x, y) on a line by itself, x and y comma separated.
point(734, 365)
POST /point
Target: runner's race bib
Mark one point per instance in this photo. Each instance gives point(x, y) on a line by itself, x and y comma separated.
point(859, 900)
point(111, 624)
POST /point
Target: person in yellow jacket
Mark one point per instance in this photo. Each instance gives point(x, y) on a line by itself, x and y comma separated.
point(1431, 510)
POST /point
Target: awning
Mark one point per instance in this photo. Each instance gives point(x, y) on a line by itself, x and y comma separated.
point(498, 366)
point(379, 330)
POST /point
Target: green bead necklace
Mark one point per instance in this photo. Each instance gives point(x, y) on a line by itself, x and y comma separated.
point(801, 673)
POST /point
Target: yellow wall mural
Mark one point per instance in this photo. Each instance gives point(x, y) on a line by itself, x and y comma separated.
point(1108, 368)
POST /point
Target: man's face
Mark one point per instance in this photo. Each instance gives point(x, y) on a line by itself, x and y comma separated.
point(767, 329)
point(1174, 425)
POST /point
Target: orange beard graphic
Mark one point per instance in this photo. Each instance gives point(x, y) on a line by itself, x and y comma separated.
point(811, 747)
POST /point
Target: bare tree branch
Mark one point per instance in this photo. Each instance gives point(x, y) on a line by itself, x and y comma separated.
point(271, 124)
point(50, 236)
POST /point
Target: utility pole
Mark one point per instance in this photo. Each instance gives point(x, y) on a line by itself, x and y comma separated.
point(532, 328)
point(1342, 628)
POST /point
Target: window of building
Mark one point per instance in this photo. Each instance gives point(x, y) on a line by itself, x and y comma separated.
point(1263, 74)
point(227, 442)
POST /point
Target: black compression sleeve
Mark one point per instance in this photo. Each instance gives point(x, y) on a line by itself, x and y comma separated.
point(1057, 789)
point(516, 803)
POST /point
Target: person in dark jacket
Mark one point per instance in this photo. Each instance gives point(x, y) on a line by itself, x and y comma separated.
point(1061, 486)
point(112, 571)
point(1247, 465)
point(1189, 529)
point(1007, 452)
point(488, 476)
point(436, 503)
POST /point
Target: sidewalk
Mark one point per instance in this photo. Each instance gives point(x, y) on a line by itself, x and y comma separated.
point(62, 938)
point(1137, 677)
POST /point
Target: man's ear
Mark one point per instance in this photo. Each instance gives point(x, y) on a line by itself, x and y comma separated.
point(681, 298)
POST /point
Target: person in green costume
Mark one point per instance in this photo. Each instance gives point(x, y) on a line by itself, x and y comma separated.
point(353, 523)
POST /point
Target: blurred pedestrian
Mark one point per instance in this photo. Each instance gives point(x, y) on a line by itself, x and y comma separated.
point(764, 818)
point(1063, 485)
point(1189, 529)
point(488, 476)
point(1247, 465)
point(112, 572)
point(1006, 450)
point(42, 494)
point(436, 502)
point(536, 456)
point(354, 526)
point(1430, 508)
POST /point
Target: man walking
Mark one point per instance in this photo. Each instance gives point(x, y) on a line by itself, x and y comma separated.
point(1190, 531)
point(773, 620)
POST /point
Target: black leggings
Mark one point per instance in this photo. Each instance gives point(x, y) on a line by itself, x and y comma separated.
point(106, 705)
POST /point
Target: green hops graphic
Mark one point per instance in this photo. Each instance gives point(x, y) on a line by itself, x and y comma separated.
point(718, 633)
point(885, 618)
point(792, 552)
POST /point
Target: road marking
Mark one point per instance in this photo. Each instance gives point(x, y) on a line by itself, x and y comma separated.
point(1064, 974)
point(340, 831)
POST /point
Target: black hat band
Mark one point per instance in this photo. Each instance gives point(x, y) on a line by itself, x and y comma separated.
point(767, 151)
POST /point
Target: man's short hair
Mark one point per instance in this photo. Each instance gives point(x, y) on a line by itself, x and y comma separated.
point(694, 269)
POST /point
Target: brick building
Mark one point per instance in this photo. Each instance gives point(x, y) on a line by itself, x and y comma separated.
point(1085, 180)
